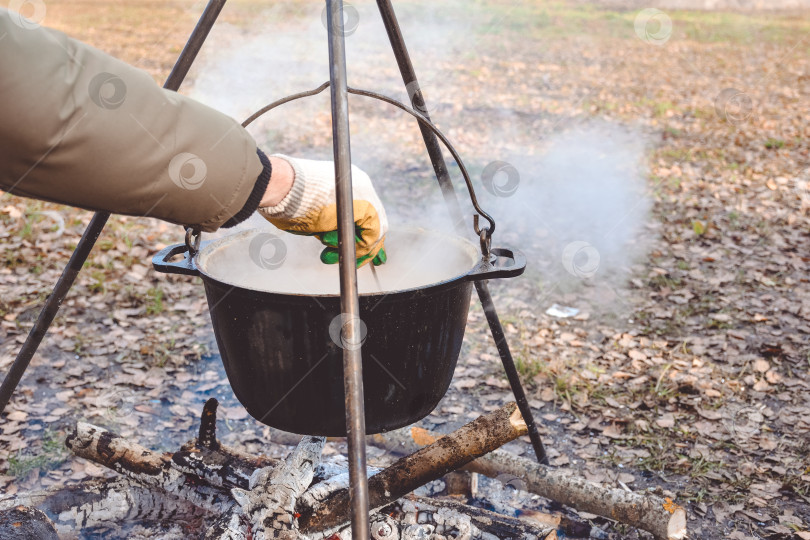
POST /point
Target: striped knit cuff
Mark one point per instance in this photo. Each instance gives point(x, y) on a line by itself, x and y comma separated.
point(289, 205)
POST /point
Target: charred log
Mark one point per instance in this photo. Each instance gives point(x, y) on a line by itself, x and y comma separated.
point(472, 440)
point(663, 518)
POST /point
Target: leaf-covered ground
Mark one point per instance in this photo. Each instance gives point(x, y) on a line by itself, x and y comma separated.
point(686, 369)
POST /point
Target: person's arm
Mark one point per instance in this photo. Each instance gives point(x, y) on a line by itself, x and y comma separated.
point(82, 128)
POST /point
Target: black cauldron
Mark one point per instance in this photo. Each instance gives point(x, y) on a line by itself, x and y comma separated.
point(276, 315)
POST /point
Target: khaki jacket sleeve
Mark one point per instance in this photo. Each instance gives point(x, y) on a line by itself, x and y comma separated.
point(82, 128)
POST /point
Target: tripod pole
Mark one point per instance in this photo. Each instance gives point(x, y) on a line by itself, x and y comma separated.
point(93, 230)
point(512, 375)
point(434, 150)
point(349, 298)
point(440, 167)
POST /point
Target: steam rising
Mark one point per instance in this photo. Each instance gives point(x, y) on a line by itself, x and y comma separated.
point(578, 209)
point(581, 207)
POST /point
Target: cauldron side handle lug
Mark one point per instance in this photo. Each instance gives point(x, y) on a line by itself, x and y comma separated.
point(186, 267)
point(505, 263)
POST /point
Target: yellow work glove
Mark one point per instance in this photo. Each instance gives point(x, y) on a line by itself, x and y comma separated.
point(310, 208)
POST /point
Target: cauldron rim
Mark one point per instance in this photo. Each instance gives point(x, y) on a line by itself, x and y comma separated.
point(209, 247)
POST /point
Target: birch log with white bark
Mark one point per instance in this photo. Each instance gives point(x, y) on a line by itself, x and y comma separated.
point(420, 518)
point(108, 503)
point(662, 517)
point(497, 525)
point(145, 467)
point(219, 465)
point(270, 502)
point(479, 437)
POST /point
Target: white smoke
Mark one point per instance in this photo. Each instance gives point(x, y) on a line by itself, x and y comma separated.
point(579, 211)
point(579, 207)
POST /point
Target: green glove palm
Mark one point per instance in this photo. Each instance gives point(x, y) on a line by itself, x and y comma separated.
point(330, 254)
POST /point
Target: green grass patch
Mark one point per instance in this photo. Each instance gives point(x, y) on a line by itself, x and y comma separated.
point(561, 19)
point(51, 455)
point(154, 301)
point(527, 367)
point(774, 144)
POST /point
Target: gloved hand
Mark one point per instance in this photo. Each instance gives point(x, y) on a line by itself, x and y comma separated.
point(310, 208)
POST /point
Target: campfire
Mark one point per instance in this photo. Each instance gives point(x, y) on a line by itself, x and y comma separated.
point(217, 492)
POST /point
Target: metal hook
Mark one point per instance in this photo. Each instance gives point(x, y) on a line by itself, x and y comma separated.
point(486, 242)
point(485, 236)
point(196, 235)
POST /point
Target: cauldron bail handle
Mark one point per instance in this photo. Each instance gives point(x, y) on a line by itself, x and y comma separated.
point(193, 239)
point(484, 233)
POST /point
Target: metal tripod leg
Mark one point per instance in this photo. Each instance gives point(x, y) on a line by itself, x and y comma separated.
point(418, 101)
point(511, 371)
point(349, 299)
point(93, 230)
point(439, 166)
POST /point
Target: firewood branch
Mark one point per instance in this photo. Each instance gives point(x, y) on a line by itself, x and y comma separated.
point(661, 517)
point(270, 502)
point(472, 440)
point(145, 467)
point(105, 503)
